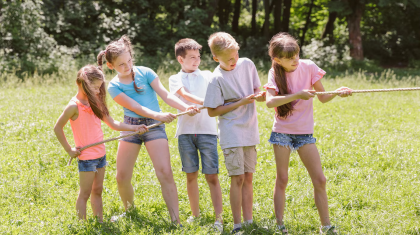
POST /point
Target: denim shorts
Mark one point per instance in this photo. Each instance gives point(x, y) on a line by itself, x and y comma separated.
point(93, 164)
point(153, 133)
point(190, 144)
point(291, 141)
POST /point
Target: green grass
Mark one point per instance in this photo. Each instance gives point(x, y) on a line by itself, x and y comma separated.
point(369, 146)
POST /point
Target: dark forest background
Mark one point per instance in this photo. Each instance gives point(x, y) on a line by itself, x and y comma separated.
point(49, 35)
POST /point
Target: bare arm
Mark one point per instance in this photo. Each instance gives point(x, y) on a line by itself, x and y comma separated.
point(120, 126)
point(171, 99)
point(190, 97)
point(69, 112)
point(222, 109)
point(327, 97)
point(274, 101)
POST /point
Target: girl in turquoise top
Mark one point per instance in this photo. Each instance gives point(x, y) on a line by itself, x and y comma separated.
point(135, 89)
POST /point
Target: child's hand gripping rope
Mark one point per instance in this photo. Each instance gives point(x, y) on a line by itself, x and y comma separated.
point(192, 110)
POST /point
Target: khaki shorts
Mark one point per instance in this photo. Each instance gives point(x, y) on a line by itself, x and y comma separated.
point(239, 160)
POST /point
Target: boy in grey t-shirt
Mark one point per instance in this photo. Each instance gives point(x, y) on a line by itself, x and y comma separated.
point(238, 126)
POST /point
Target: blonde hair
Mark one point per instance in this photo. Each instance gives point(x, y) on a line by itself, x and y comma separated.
point(221, 41)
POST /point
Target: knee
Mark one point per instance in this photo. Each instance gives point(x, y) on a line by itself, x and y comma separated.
point(122, 178)
point(212, 179)
point(281, 181)
point(248, 178)
point(84, 195)
point(320, 182)
point(164, 175)
point(238, 180)
point(97, 190)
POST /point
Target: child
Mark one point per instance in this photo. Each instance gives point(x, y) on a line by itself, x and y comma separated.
point(198, 133)
point(85, 112)
point(235, 78)
point(135, 89)
point(290, 91)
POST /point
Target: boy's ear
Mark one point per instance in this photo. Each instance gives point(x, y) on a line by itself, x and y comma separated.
point(215, 58)
point(109, 65)
point(180, 59)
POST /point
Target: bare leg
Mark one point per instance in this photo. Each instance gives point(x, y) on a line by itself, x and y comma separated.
point(247, 196)
point(159, 153)
point(193, 194)
point(86, 180)
point(216, 195)
point(96, 194)
point(282, 155)
point(236, 197)
point(126, 158)
point(310, 158)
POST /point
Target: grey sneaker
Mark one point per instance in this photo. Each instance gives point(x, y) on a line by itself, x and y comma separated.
point(328, 229)
point(218, 226)
point(282, 229)
point(191, 219)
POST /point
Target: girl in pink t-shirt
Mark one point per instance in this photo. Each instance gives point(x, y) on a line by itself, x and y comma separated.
point(85, 112)
point(290, 89)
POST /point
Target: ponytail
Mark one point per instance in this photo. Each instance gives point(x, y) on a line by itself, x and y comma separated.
point(284, 110)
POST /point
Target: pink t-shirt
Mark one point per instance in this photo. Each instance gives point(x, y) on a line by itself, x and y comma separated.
point(301, 121)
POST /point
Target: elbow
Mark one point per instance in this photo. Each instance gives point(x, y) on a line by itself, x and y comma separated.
point(211, 112)
point(269, 104)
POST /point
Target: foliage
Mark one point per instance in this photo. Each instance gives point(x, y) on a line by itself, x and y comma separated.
point(46, 35)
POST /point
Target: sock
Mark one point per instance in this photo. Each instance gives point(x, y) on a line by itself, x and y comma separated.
point(249, 221)
point(235, 226)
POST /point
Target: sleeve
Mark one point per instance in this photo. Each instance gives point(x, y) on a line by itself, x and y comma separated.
point(114, 89)
point(316, 73)
point(150, 75)
point(214, 97)
point(271, 83)
point(175, 83)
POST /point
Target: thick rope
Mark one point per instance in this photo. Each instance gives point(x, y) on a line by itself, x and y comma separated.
point(368, 91)
point(123, 136)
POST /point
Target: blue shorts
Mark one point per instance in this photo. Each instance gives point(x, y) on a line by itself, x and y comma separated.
point(190, 144)
point(291, 141)
point(92, 165)
point(153, 134)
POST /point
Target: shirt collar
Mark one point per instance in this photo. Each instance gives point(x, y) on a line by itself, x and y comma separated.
point(184, 75)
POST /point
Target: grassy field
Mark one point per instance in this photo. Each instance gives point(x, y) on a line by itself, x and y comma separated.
point(369, 146)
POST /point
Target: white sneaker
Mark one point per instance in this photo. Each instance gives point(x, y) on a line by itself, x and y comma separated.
point(117, 217)
point(218, 226)
point(191, 219)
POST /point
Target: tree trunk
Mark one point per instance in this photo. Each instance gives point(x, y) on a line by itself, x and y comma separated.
point(266, 25)
point(236, 14)
point(278, 5)
point(286, 15)
point(223, 12)
point(329, 27)
point(308, 21)
point(211, 10)
point(253, 20)
point(355, 36)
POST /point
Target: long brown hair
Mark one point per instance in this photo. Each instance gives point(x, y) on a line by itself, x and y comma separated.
point(115, 49)
point(282, 45)
point(85, 77)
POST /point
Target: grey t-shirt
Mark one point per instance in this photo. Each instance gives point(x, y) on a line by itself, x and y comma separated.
point(239, 127)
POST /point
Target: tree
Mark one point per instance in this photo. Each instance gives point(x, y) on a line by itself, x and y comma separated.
point(236, 14)
point(308, 21)
point(355, 36)
point(278, 7)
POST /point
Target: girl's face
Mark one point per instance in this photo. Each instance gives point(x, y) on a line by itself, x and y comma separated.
point(122, 64)
point(289, 64)
point(95, 86)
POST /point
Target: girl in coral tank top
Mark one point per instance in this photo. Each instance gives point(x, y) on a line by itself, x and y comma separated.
point(85, 112)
